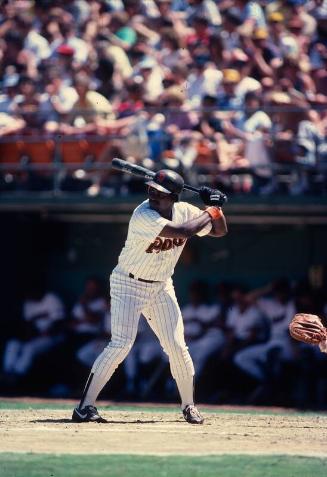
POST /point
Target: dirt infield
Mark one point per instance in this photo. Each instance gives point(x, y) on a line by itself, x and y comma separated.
point(162, 433)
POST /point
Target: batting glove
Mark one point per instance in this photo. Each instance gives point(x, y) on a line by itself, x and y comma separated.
point(212, 197)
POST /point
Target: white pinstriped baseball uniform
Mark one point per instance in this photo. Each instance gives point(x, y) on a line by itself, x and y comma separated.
point(152, 258)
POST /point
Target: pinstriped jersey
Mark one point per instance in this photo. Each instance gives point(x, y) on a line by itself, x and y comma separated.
point(147, 255)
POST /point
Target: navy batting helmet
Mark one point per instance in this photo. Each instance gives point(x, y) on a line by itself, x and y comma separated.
point(167, 181)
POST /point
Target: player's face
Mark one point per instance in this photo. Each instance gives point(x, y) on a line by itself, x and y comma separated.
point(160, 201)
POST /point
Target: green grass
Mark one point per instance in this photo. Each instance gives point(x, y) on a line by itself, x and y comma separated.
point(12, 404)
point(43, 465)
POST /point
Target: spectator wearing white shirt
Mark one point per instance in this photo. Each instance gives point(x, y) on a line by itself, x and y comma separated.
point(203, 80)
point(33, 41)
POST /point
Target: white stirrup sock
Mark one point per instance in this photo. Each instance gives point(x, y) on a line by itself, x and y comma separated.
point(92, 389)
point(185, 388)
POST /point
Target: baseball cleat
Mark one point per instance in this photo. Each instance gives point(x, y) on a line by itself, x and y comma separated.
point(87, 414)
point(192, 415)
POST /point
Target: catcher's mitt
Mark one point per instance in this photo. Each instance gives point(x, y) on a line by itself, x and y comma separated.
point(308, 328)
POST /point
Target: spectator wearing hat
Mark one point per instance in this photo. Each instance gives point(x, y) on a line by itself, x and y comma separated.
point(227, 98)
point(276, 32)
point(200, 35)
point(62, 59)
point(240, 62)
point(152, 76)
point(260, 54)
point(81, 49)
point(9, 91)
point(176, 111)
point(252, 16)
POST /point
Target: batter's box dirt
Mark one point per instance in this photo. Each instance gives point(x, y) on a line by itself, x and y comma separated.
point(162, 433)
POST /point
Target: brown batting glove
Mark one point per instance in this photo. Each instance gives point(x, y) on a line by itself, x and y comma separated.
point(308, 328)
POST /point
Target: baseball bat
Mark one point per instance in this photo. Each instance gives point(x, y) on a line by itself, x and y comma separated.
point(142, 172)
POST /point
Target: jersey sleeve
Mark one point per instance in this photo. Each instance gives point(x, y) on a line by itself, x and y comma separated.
point(147, 223)
point(193, 213)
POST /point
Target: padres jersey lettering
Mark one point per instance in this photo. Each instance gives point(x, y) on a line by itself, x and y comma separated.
point(147, 255)
point(160, 245)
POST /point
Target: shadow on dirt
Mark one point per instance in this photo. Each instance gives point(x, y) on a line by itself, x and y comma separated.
point(136, 421)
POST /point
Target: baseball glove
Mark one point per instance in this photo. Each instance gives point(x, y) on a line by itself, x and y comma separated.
point(308, 328)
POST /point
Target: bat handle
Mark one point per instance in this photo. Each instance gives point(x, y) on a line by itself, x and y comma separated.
point(191, 188)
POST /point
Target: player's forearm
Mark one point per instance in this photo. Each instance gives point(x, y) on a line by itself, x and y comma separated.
point(219, 227)
point(188, 229)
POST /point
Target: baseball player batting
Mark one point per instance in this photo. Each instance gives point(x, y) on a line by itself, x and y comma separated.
point(141, 283)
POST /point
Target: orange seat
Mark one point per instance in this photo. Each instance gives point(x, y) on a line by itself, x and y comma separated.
point(11, 152)
point(39, 152)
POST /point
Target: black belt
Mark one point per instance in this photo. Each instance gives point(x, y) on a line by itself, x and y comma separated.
point(141, 279)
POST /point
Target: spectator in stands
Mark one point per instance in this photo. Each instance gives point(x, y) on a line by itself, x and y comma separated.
point(252, 15)
point(9, 91)
point(33, 107)
point(178, 117)
point(296, 137)
point(89, 111)
point(61, 97)
point(9, 123)
point(71, 39)
point(228, 99)
point(207, 9)
point(204, 78)
point(253, 126)
point(40, 330)
point(152, 75)
point(14, 54)
point(34, 43)
point(208, 120)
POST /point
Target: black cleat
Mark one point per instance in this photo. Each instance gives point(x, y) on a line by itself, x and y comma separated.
point(87, 414)
point(192, 415)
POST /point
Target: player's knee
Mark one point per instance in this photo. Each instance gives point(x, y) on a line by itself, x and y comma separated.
point(176, 349)
point(121, 343)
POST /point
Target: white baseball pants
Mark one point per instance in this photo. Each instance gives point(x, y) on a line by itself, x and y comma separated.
point(157, 302)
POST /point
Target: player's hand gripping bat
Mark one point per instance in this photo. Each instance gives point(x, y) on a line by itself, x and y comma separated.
point(144, 173)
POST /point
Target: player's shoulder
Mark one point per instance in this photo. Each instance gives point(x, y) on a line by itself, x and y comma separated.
point(187, 208)
point(144, 210)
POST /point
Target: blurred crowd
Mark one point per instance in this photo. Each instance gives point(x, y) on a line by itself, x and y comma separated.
point(234, 91)
point(238, 338)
